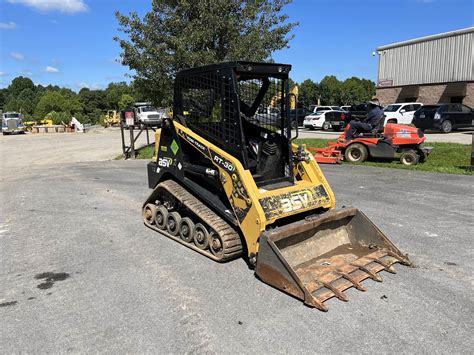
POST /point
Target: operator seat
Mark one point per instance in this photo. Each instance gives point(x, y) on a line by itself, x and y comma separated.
point(377, 131)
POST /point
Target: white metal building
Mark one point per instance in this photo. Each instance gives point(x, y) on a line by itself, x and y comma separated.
point(432, 69)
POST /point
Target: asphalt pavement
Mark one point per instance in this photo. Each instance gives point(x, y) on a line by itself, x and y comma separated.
point(79, 272)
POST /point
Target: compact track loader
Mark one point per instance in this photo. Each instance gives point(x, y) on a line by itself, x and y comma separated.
point(227, 181)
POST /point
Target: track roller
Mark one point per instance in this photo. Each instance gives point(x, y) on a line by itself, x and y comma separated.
point(172, 223)
point(201, 236)
point(149, 213)
point(216, 246)
point(186, 229)
point(161, 216)
point(179, 215)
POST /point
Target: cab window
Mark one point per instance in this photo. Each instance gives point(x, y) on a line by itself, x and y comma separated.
point(454, 108)
point(465, 109)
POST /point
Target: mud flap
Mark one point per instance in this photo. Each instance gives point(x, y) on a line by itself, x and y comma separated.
point(320, 257)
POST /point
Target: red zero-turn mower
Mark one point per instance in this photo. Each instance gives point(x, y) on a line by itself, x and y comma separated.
point(395, 140)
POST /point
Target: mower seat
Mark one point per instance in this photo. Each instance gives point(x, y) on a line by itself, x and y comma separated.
point(376, 132)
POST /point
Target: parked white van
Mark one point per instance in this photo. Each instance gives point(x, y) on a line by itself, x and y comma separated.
point(401, 112)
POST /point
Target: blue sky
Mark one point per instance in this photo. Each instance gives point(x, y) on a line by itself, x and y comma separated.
point(69, 42)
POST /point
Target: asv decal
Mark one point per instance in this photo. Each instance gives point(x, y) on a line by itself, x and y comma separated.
point(165, 162)
point(295, 202)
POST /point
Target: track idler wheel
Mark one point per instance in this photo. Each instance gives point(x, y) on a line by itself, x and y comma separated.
point(161, 216)
point(149, 213)
point(216, 245)
point(186, 229)
point(201, 236)
point(172, 223)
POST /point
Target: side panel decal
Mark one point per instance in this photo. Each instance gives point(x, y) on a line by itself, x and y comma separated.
point(239, 198)
point(201, 147)
point(278, 205)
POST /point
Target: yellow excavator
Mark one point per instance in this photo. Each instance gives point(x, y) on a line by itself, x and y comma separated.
point(228, 182)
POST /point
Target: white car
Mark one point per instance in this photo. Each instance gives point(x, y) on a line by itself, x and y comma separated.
point(401, 113)
point(324, 108)
point(317, 120)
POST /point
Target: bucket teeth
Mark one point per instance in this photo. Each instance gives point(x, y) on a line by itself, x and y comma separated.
point(371, 274)
point(335, 290)
point(349, 278)
point(402, 260)
point(389, 268)
point(314, 302)
point(326, 255)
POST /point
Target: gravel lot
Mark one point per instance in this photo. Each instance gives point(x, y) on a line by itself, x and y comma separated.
point(24, 153)
point(121, 287)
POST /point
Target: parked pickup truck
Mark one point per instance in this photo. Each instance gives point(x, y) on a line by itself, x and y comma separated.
point(339, 121)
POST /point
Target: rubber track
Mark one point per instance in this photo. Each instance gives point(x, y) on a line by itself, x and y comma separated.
point(230, 238)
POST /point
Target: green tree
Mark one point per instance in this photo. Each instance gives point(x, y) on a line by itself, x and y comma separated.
point(308, 93)
point(94, 103)
point(59, 102)
point(3, 98)
point(330, 89)
point(178, 34)
point(24, 102)
point(126, 101)
point(114, 93)
point(49, 102)
point(355, 90)
point(20, 96)
point(19, 84)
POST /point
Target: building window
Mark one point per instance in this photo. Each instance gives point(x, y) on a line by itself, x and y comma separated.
point(456, 99)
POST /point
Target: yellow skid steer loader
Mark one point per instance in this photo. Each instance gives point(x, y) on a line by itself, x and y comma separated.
point(227, 181)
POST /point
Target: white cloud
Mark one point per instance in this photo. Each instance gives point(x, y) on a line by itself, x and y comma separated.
point(10, 25)
point(17, 56)
point(2, 73)
point(49, 69)
point(83, 85)
point(66, 6)
point(27, 73)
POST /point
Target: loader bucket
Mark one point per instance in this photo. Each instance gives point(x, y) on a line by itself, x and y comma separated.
point(322, 256)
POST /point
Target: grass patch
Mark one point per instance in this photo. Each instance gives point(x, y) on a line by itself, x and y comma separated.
point(146, 152)
point(450, 158)
point(142, 153)
point(314, 142)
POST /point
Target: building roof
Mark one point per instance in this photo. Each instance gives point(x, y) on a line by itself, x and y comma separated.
point(426, 38)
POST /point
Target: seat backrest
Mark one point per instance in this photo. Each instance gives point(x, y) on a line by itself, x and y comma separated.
point(379, 127)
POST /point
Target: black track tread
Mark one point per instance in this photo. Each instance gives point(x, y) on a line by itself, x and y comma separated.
point(203, 214)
